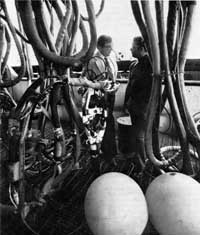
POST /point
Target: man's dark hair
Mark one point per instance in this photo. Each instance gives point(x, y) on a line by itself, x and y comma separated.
point(103, 39)
point(140, 42)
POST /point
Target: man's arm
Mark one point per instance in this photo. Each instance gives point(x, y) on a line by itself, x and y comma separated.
point(83, 81)
point(127, 93)
point(106, 86)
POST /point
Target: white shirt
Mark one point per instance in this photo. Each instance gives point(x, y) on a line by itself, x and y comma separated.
point(97, 67)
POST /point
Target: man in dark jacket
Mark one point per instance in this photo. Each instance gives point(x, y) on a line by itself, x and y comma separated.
point(138, 93)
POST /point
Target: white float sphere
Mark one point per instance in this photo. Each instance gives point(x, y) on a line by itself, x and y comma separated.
point(115, 205)
point(173, 201)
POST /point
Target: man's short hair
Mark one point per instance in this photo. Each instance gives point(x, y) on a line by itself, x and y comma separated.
point(103, 39)
point(140, 42)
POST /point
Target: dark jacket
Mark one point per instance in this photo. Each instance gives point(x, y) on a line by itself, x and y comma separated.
point(138, 90)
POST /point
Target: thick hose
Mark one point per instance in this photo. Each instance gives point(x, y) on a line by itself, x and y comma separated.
point(153, 102)
point(55, 99)
point(171, 29)
point(93, 33)
point(38, 8)
point(22, 60)
point(191, 129)
point(171, 97)
point(98, 13)
point(63, 27)
point(141, 24)
point(74, 27)
point(8, 40)
point(25, 10)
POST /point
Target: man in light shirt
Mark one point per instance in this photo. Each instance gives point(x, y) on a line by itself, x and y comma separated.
point(102, 67)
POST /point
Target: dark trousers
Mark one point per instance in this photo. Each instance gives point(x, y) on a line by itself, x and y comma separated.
point(138, 119)
point(109, 146)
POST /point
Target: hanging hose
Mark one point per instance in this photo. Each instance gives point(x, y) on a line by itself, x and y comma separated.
point(71, 106)
point(25, 10)
point(98, 13)
point(142, 26)
point(26, 55)
point(22, 162)
point(5, 60)
point(16, 30)
point(85, 39)
point(28, 93)
point(55, 99)
point(93, 33)
point(171, 29)
point(75, 27)
point(153, 102)
point(171, 34)
point(38, 8)
point(23, 66)
point(171, 97)
point(56, 7)
point(49, 8)
point(5, 39)
point(2, 45)
point(193, 135)
point(63, 27)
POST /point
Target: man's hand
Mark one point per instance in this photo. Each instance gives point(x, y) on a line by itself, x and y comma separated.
point(111, 87)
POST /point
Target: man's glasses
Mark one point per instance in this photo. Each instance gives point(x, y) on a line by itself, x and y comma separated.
point(108, 47)
point(135, 48)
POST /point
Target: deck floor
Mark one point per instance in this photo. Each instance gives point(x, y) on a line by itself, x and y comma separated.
point(64, 212)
